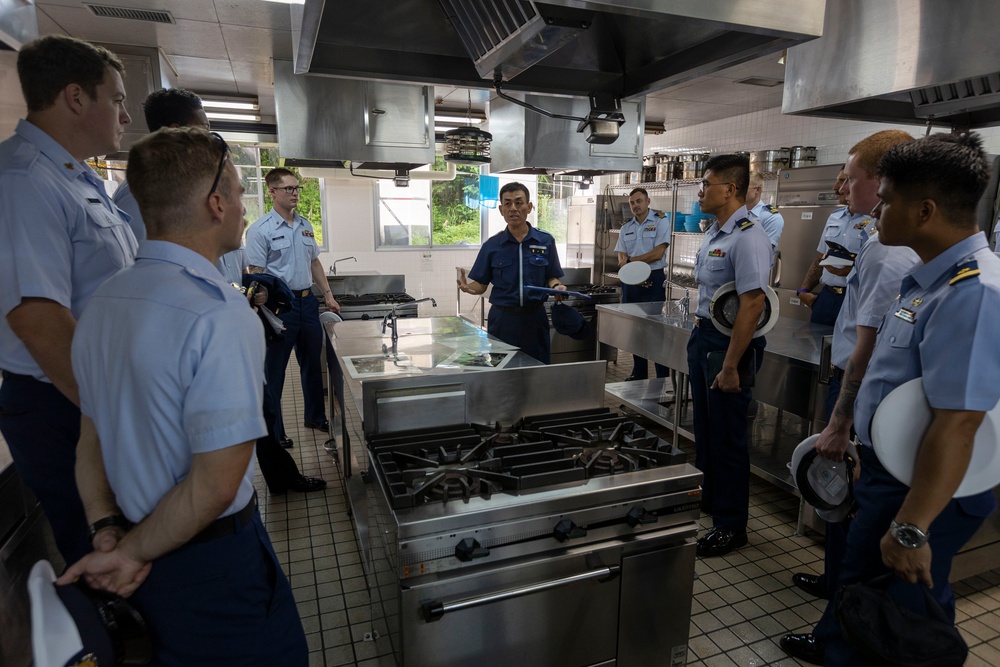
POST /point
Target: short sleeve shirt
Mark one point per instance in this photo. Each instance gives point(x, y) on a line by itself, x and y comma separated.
point(769, 219)
point(170, 363)
point(282, 249)
point(850, 231)
point(942, 328)
point(60, 234)
point(511, 266)
point(638, 238)
point(872, 286)
point(738, 251)
point(232, 265)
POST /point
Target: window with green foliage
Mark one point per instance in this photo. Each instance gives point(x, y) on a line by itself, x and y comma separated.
point(431, 213)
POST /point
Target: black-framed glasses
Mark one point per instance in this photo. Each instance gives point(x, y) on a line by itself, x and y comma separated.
point(289, 189)
point(222, 162)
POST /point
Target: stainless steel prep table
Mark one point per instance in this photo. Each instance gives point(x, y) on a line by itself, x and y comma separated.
point(789, 378)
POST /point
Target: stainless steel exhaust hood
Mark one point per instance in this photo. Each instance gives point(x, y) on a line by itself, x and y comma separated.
point(18, 23)
point(906, 61)
point(625, 48)
point(525, 142)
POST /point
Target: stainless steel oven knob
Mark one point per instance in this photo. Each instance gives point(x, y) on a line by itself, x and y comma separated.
point(470, 548)
point(638, 515)
point(567, 530)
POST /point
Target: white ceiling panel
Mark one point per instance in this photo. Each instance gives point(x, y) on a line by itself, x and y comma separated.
point(257, 45)
point(47, 25)
point(196, 72)
point(254, 13)
point(194, 10)
point(192, 38)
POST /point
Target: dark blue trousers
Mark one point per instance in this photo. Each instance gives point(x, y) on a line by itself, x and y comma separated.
point(720, 431)
point(650, 291)
point(527, 330)
point(826, 307)
point(222, 602)
point(835, 544)
point(879, 496)
point(42, 427)
point(304, 333)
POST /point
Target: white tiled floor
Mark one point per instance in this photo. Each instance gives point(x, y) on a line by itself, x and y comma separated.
point(743, 602)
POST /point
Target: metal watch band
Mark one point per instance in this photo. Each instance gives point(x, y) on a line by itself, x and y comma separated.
point(899, 530)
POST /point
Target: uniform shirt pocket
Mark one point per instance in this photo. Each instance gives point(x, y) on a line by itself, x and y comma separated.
point(115, 234)
point(280, 243)
point(898, 337)
point(715, 263)
point(538, 260)
point(832, 231)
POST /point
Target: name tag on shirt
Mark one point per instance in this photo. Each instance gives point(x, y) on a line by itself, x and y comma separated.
point(537, 249)
point(93, 201)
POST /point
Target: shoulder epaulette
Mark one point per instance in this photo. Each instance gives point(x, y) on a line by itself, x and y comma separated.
point(661, 214)
point(964, 271)
point(744, 223)
point(772, 209)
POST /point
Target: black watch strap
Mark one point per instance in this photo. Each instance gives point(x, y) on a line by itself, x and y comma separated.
point(107, 522)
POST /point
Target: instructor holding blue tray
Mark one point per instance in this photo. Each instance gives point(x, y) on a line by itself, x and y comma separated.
point(519, 257)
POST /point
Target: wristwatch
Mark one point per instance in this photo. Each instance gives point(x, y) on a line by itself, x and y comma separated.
point(908, 535)
point(108, 521)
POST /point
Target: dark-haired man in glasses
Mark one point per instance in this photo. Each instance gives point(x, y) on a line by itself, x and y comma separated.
point(282, 243)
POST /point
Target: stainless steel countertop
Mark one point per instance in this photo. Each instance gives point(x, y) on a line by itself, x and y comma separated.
point(790, 339)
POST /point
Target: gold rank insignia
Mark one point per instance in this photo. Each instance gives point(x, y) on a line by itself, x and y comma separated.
point(69, 165)
point(916, 302)
point(661, 214)
point(772, 209)
point(89, 660)
point(744, 224)
point(964, 271)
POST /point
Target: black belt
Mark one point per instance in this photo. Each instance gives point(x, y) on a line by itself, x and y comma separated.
point(704, 322)
point(227, 525)
point(532, 307)
point(834, 289)
point(299, 293)
point(7, 375)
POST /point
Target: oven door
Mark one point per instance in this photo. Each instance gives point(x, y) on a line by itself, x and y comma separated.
point(565, 610)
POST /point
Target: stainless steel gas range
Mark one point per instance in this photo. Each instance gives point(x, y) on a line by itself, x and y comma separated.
point(371, 296)
point(562, 540)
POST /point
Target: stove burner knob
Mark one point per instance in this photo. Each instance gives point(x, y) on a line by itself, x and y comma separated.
point(567, 530)
point(470, 548)
point(638, 515)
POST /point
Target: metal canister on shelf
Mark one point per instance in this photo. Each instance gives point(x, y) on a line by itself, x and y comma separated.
point(617, 178)
point(648, 168)
point(694, 166)
point(803, 156)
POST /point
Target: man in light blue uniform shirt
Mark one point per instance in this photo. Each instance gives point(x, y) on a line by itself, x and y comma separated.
point(282, 243)
point(872, 285)
point(60, 238)
point(168, 107)
point(764, 214)
point(737, 250)
point(233, 265)
point(644, 238)
point(169, 359)
point(941, 328)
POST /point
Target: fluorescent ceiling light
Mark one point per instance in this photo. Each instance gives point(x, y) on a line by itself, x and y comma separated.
point(454, 120)
point(230, 104)
point(247, 117)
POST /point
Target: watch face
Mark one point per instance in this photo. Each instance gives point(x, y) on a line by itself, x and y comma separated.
point(909, 536)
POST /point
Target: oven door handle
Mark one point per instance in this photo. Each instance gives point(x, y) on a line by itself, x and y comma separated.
point(435, 609)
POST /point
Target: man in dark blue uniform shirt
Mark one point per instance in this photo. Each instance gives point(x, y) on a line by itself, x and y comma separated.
point(941, 328)
point(517, 257)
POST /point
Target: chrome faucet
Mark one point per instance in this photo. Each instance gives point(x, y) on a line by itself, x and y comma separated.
point(685, 302)
point(333, 267)
point(390, 319)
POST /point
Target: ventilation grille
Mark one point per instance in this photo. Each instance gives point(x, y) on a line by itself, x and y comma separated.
point(148, 15)
point(761, 81)
point(484, 26)
point(967, 95)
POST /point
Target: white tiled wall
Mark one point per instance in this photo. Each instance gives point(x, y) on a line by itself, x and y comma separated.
point(761, 130)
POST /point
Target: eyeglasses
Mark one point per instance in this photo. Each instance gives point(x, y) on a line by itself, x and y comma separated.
point(289, 189)
point(222, 162)
point(705, 184)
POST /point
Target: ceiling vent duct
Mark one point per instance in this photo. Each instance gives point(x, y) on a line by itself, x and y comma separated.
point(147, 15)
point(511, 35)
point(981, 92)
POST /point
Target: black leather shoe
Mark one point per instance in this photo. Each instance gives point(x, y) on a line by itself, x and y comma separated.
point(633, 378)
point(804, 647)
point(319, 426)
point(812, 584)
point(286, 442)
point(720, 541)
point(302, 484)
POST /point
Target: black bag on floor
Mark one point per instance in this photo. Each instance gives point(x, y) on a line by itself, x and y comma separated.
point(887, 634)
